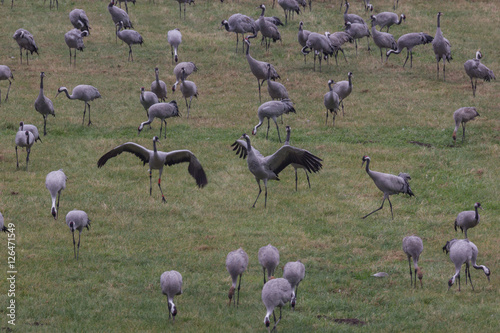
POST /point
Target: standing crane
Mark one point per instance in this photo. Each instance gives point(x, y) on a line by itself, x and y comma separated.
point(388, 184)
point(320, 45)
point(331, 101)
point(409, 41)
point(189, 68)
point(468, 219)
point(171, 285)
point(294, 272)
point(240, 24)
point(174, 38)
point(382, 39)
point(79, 19)
point(475, 69)
point(161, 111)
point(44, 105)
point(5, 74)
point(236, 265)
point(413, 247)
point(302, 37)
point(157, 159)
point(31, 128)
point(74, 40)
point(289, 6)
point(275, 293)
point(275, 89)
point(148, 99)
point(55, 182)
point(343, 89)
point(25, 41)
point(268, 30)
point(441, 46)
point(461, 116)
point(272, 110)
point(119, 15)
point(24, 139)
point(388, 19)
point(337, 39)
point(269, 258)
point(130, 37)
point(353, 18)
point(84, 93)
point(188, 89)
point(184, 2)
point(126, 7)
point(77, 220)
point(358, 31)
point(159, 87)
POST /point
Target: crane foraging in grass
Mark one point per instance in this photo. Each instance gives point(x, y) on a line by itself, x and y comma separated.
point(236, 265)
point(79, 19)
point(409, 41)
point(161, 111)
point(461, 116)
point(294, 272)
point(174, 38)
point(5, 74)
point(387, 19)
point(189, 68)
point(475, 69)
point(31, 128)
point(413, 247)
point(269, 258)
point(83, 93)
point(24, 139)
point(77, 220)
point(239, 24)
point(171, 285)
point(119, 15)
point(159, 87)
point(268, 30)
point(468, 219)
point(55, 182)
point(272, 110)
point(275, 293)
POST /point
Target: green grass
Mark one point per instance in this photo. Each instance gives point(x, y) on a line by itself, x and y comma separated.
point(134, 238)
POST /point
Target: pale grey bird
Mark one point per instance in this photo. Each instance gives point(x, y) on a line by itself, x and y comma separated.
point(268, 30)
point(79, 19)
point(268, 168)
point(368, 5)
point(161, 111)
point(461, 116)
point(171, 285)
point(270, 19)
point(413, 247)
point(294, 272)
point(240, 24)
point(44, 105)
point(24, 139)
point(31, 128)
point(147, 99)
point(463, 251)
point(331, 101)
point(184, 2)
point(259, 69)
point(236, 264)
point(126, 6)
point(55, 182)
point(295, 165)
point(388, 19)
point(358, 31)
point(475, 69)
point(343, 89)
point(159, 87)
point(77, 220)
point(388, 184)
point(320, 45)
point(174, 38)
point(272, 110)
point(275, 293)
point(382, 39)
point(289, 6)
point(302, 37)
point(409, 41)
point(25, 41)
point(2, 226)
point(119, 15)
point(157, 159)
point(337, 39)
point(84, 93)
point(189, 68)
point(275, 89)
point(269, 258)
point(5, 74)
point(74, 40)
point(188, 90)
point(130, 37)
point(353, 18)
point(441, 46)
point(468, 219)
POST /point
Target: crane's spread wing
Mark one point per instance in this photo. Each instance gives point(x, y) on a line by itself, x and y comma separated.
point(241, 149)
point(195, 169)
point(289, 154)
point(130, 147)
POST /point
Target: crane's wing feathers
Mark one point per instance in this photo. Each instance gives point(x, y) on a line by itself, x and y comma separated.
point(241, 149)
point(129, 147)
point(195, 169)
point(289, 154)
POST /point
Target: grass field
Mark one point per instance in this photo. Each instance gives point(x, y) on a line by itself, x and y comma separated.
point(134, 238)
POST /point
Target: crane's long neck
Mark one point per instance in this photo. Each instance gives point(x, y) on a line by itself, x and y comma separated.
point(262, 13)
point(248, 50)
point(477, 214)
point(27, 138)
point(439, 21)
point(67, 94)
point(157, 79)
point(346, 8)
point(268, 74)
point(247, 139)
point(350, 81)
point(400, 20)
point(368, 171)
point(154, 146)
point(287, 141)
point(330, 86)
point(41, 85)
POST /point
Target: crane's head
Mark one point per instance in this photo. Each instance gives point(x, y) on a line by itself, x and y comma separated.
point(479, 55)
point(230, 294)
point(21, 125)
point(451, 282)
point(288, 128)
point(373, 17)
point(139, 129)
point(155, 139)
point(267, 321)
point(403, 16)
point(142, 89)
point(42, 74)
point(369, 7)
point(478, 205)
point(111, 3)
point(54, 213)
point(262, 6)
point(301, 24)
point(440, 14)
point(364, 159)
point(71, 225)
point(60, 90)
point(420, 275)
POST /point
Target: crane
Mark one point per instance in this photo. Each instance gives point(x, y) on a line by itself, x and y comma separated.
point(77, 220)
point(171, 285)
point(5, 74)
point(236, 265)
point(239, 24)
point(24, 139)
point(461, 116)
point(275, 293)
point(343, 89)
point(269, 258)
point(161, 111)
point(79, 19)
point(382, 39)
point(26, 41)
point(388, 19)
point(119, 15)
point(174, 38)
point(441, 46)
point(159, 87)
point(74, 40)
point(468, 219)
point(475, 69)
point(189, 68)
point(272, 110)
point(44, 105)
point(130, 37)
point(55, 182)
point(294, 272)
point(188, 89)
point(409, 41)
point(331, 101)
point(413, 247)
point(84, 93)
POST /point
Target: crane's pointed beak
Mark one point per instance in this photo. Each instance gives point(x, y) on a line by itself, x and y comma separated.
point(57, 94)
point(362, 163)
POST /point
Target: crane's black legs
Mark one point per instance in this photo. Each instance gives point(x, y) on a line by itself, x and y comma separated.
point(342, 102)
point(277, 128)
point(150, 183)
point(239, 285)
point(267, 128)
point(44, 124)
point(8, 89)
point(78, 249)
point(169, 306)
point(407, 55)
point(411, 276)
point(17, 159)
point(84, 111)
point(309, 183)
point(468, 273)
point(130, 55)
point(89, 114)
point(74, 249)
point(264, 271)
point(377, 209)
point(260, 190)
point(57, 206)
point(28, 150)
point(463, 137)
point(159, 185)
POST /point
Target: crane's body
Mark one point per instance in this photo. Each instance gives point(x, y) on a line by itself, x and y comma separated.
point(24, 139)
point(74, 40)
point(413, 247)
point(161, 111)
point(77, 220)
point(174, 38)
point(171, 285)
point(5, 74)
point(331, 101)
point(259, 69)
point(159, 87)
point(55, 182)
point(409, 41)
point(462, 116)
point(269, 258)
point(83, 92)
point(468, 219)
point(475, 69)
point(26, 41)
point(275, 293)
point(442, 47)
point(294, 272)
point(236, 264)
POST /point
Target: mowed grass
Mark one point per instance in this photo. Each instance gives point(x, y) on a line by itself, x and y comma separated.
point(134, 238)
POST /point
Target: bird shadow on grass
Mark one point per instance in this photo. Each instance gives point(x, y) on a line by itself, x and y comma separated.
point(350, 321)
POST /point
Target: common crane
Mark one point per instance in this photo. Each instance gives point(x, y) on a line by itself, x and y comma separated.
point(184, 2)
point(461, 116)
point(239, 24)
point(268, 30)
point(331, 101)
point(31, 128)
point(84, 93)
point(409, 41)
point(5, 74)
point(289, 6)
point(77, 220)
point(343, 89)
point(44, 105)
point(188, 90)
point(275, 89)
point(189, 68)
point(382, 40)
point(236, 265)
point(171, 285)
point(269, 258)
point(320, 45)
point(79, 19)
point(358, 31)
point(130, 37)
point(119, 15)
point(353, 18)
point(161, 111)
point(442, 47)
point(174, 38)
point(24, 139)
point(275, 293)
point(148, 99)
point(159, 87)
point(294, 272)
point(74, 40)
point(25, 41)
point(272, 110)
point(302, 37)
point(413, 247)
point(468, 219)
point(55, 182)
point(475, 69)
point(388, 19)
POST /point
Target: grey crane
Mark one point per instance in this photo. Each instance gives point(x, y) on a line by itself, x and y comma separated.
point(343, 89)
point(5, 74)
point(2, 226)
point(275, 293)
point(270, 19)
point(461, 116)
point(388, 19)
point(52, 3)
point(463, 251)
point(337, 39)
point(44, 105)
point(188, 89)
point(159, 87)
point(302, 37)
point(468, 219)
point(358, 31)
point(126, 6)
point(413, 247)
point(368, 5)
point(74, 40)
point(236, 265)
point(119, 15)
point(268, 30)
point(157, 159)
point(320, 45)
point(475, 69)
point(31, 128)
point(289, 6)
point(77, 220)
point(259, 69)
point(353, 18)
point(275, 89)
point(409, 41)
point(294, 272)
point(25, 41)
point(184, 2)
point(130, 37)
point(171, 285)
point(269, 258)
point(189, 68)
point(239, 24)
point(148, 99)
point(442, 47)
point(82, 92)
point(161, 111)
point(388, 184)
point(174, 38)
point(24, 139)
point(331, 101)
point(272, 110)
point(79, 19)
point(55, 182)
point(382, 39)
point(269, 167)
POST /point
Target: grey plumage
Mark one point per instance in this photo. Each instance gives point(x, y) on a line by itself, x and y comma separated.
point(296, 165)
point(79, 19)
point(358, 31)
point(353, 18)
point(461, 116)
point(31, 128)
point(171, 285)
point(272, 110)
point(413, 247)
point(343, 89)
point(320, 45)
point(158, 159)
point(5, 74)
point(130, 37)
point(77, 220)
point(475, 69)
point(302, 37)
point(147, 99)
point(159, 87)
point(236, 264)
point(126, 6)
point(289, 6)
point(44, 105)
point(25, 41)
point(55, 182)
point(161, 111)
point(268, 30)
point(331, 102)
point(442, 47)
point(184, 2)
point(275, 89)
point(268, 168)
point(388, 184)
point(119, 15)
point(294, 272)
point(52, 3)
point(269, 258)
point(2, 226)
point(468, 219)
point(409, 41)
point(174, 38)
point(189, 68)
point(24, 139)
point(388, 19)
point(275, 293)
point(188, 90)
point(382, 40)
point(84, 93)
point(240, 24)
point(337, 39)
point(74, 40)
